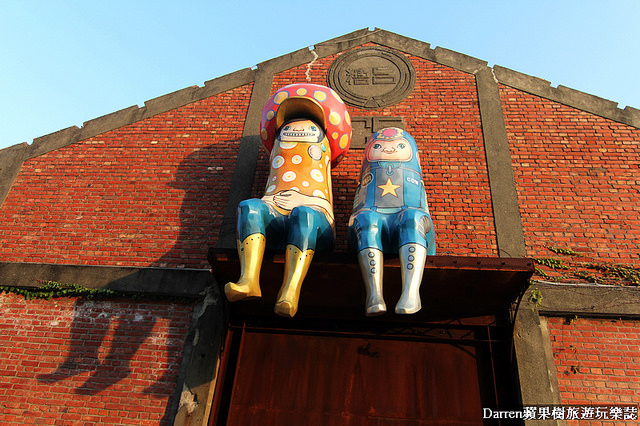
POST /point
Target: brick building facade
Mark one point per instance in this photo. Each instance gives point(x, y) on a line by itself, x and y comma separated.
point(132, 202)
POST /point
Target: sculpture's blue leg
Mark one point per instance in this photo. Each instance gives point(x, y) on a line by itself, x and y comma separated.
point(368, 227)
point(307, 228)
point(416, 239)
point(253, 217)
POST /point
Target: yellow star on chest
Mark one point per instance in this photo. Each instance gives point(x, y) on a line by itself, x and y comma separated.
point(388, 188)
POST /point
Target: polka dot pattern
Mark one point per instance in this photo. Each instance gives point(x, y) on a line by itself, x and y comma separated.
point(319, 96)
point(317, 175)
point(319, 193)
point(289, 176)
point(302, 167)
point(336, 118)
point(277, 162)
point(280, 96)
point(288, 145)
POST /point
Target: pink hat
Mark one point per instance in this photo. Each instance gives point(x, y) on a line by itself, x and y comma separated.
point(318, 103)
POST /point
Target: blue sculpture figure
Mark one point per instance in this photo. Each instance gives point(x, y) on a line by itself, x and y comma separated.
point(307, 129)
point(391, 215)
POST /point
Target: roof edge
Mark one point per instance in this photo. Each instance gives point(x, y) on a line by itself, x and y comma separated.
point(536, 86)
point(64, 137)
point(567, 96)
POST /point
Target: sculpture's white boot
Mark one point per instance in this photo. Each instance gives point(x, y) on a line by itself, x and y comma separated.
point(371, 266)
point(412, 260)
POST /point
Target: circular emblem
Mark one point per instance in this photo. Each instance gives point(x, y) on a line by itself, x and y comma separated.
point(372, 77)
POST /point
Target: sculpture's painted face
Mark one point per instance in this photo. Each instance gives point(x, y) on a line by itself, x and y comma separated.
point(301, 131)
point(389, 150)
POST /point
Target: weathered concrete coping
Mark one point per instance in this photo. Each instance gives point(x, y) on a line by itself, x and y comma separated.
point(603, 301)
point(459, 61)
point(566, 96)
point(126, 116)
point(189, 283)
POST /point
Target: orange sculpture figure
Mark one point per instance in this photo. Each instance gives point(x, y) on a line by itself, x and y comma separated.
point(307, 129)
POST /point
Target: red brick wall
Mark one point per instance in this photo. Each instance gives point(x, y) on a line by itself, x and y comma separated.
point(443, 116)
point(70, 361)
point(577, 176)
point(597, 360)
point(151, 193)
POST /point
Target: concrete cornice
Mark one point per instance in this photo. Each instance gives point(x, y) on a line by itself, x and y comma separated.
point(130, 115)
point(536, 86)
point(423, 50)
point(569, 97)
point(190, 283)
point(459, 61)
point(587, 300)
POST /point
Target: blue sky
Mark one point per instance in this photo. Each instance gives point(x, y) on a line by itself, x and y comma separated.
point(67, 62)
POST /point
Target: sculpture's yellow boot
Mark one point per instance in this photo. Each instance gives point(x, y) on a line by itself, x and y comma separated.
point(295, 269)
point(250, 252)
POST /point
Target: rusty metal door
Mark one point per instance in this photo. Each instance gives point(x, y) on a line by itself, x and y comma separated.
point(305, 379)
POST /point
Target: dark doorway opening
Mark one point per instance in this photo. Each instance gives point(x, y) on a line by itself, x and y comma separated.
point(312, 372)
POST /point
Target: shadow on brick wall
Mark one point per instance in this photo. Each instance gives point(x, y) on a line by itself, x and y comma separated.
point(112, 343)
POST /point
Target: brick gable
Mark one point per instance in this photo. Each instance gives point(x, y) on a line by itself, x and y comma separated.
point(577, 176)
point(442, 114)
point(151, 193)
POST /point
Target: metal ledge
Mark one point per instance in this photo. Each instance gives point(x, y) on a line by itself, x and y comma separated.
point(453, 286)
